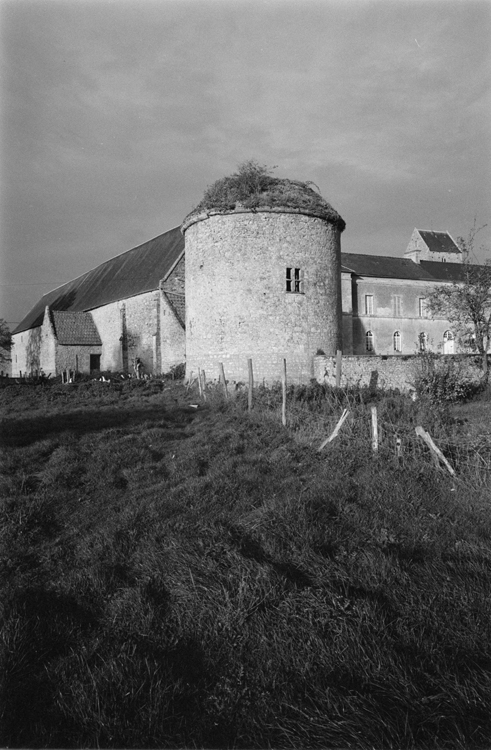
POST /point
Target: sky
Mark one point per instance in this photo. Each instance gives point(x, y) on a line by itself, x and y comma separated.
point(116, 115)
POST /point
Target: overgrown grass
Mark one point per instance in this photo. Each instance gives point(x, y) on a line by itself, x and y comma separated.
point(181, 577)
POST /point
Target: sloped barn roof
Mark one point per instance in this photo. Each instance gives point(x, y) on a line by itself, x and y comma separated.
point(75, 328)
point(134, 272)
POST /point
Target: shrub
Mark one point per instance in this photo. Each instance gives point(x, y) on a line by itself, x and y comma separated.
point(253, 186)
point(441, 381)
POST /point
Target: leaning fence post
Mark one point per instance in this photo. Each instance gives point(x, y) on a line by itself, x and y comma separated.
point(283, 384)
point(335, 431)
point(222, 376)
point(339, 360)
point(374, 430)
point(251, 384)
point(436, 452)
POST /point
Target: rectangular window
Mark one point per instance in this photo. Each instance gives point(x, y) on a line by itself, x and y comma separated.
point(368, 304)
point(421, 307)
point(294, 280)
point(397, 306)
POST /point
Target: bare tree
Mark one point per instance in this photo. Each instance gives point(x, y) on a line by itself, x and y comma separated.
point(466, 303)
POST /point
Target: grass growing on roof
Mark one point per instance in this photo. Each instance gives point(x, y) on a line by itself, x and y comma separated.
point(254, 187)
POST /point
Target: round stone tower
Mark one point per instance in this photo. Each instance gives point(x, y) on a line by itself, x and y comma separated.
point(263, 278)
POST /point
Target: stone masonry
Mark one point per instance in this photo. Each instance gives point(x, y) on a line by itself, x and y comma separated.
point(388, 372)
point(237, 303)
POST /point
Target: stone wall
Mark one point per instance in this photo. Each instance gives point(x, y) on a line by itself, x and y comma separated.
point(142, 316)
point(387, 372)
point(34, 350)
point(75, 358)
point(237, 306)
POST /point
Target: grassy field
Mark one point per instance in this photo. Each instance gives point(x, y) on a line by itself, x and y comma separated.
point(175, 576)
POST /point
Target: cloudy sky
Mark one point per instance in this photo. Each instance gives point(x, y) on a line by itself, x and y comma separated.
point(116, 115)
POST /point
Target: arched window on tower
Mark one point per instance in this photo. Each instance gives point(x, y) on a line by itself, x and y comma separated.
point(369, 341)
point(397, 341)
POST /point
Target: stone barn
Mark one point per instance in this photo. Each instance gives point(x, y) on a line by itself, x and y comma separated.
point(130, 306)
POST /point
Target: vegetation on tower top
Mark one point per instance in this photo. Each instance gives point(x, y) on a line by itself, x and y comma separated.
point(254, 187)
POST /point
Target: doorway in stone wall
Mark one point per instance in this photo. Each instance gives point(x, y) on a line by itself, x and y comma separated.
point(95, 362)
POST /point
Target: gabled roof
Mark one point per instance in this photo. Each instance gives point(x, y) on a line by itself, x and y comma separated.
point(134, 272)
point(439, 242)
point(75, 328)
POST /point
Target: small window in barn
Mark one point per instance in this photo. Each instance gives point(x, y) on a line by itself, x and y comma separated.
point(294, 280)
point(397, 341)
point(423, 342)
point(397, 306)
point(368, 304)
point(422, 307)
point(369, 341)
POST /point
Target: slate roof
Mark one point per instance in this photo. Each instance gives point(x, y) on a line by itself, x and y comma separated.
point(387, 267)
point(134, 272)
point(75, 328)
point(384, 266)
point(448, 271)
point(439, 242)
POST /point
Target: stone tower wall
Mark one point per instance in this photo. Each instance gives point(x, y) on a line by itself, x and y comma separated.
point(237, 305)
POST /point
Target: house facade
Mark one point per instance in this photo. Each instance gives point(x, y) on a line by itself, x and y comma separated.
point(384, 300)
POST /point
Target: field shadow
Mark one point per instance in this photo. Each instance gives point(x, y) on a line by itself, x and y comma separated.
point(20, 432)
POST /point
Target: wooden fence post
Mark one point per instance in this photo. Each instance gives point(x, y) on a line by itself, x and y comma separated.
point(283, 405)
point(374, 430)
point(436, 452)
point(335, 431)
point(251, 385)
point(222, 376)
point(339, 360)
point(200, 385)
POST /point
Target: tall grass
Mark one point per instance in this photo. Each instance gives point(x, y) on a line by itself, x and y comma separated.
point(179, 577)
